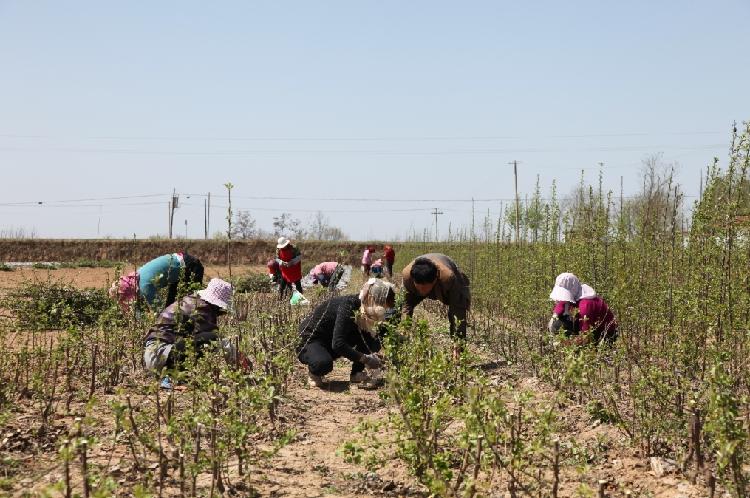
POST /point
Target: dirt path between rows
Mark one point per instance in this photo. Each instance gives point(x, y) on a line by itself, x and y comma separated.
point(325, 420)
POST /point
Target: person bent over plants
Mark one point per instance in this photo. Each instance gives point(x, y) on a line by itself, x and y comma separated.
point(346, 326)
point(290, 263)
point(436, 276)
point(157, 282)
point(327, 274)
point(580, 313)
point(274, 272)
point(190, 324)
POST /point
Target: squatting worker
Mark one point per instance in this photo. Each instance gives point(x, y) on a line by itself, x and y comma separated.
point(290, 263)
point(157, 281)
point(580, 312)
point(436, 276)
point(346, 326)
point(191, 321)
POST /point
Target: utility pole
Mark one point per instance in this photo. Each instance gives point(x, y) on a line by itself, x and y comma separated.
point(208, 216)
point(205, 218)
point(185, 229)
point(518, 214)
point(435, 212)
point(172, 206)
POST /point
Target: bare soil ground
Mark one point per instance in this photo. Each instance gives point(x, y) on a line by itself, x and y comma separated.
point(323, 421)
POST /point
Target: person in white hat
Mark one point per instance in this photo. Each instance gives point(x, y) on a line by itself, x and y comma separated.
point(580, 312)
point(290, 264)
point(565, 294)
point(194, 319)
point(349, 327)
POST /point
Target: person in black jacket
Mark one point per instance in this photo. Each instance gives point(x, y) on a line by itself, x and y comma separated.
point(345, 326)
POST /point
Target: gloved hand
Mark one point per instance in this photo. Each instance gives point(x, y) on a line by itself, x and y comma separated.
point(371, 361)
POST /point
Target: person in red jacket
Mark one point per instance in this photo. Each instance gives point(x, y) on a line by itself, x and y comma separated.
point(389, 257)
point(290, 263)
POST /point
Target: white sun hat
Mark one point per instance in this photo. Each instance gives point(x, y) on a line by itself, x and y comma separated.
point(587, 292)
point(218, 292)
point(567, 288)
point(282, 242)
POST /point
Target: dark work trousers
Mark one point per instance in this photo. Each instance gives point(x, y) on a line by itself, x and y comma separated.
point(179, 352)
point(388, 268)
point(284, 285)
point(319, 357)
point(192, 273)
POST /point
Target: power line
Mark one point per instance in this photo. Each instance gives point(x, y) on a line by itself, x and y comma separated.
point(261, 152)
point(361, 139)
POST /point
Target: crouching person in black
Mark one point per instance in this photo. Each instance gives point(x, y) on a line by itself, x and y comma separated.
point(346, 326)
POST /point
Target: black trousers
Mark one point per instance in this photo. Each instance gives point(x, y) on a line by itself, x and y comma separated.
point(319, 357)
point(284, 285)
point(179, 352)
point(388, 268)
point(191, 274)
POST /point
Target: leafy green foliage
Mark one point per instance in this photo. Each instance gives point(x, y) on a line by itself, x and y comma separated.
point(53, 304)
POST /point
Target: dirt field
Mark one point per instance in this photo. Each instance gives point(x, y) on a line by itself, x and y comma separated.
point(322, 422)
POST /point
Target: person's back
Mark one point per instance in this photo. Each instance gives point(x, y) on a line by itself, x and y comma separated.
point(321, 322)
point(436, 276)
point(156, 274)
point(596, 316)
point(191, 315)
point(449, 277)
point(367, 257)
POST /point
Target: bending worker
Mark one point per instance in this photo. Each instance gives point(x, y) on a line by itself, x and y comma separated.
point(157, 281)
point(580, 312)
point(327, 274)
point(191, 323)
point(436, 276)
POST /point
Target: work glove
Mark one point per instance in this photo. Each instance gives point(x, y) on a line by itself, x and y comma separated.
point(371, 361)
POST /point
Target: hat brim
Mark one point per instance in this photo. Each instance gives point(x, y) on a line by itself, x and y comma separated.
point(212, 299)
point(282, 246)
point(561, 294)
point(587, 292)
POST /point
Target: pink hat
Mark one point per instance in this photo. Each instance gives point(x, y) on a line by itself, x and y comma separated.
point(567, 288)
point(218, 292)
point(125, 288)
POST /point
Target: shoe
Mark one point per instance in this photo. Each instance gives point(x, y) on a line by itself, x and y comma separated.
point(359, 377)
point(315, 380)
point(166, 383)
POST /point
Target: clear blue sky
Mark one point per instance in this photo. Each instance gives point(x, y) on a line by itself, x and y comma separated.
point(350, 99)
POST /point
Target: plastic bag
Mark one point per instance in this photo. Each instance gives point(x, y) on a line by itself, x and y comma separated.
point(298, 299)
